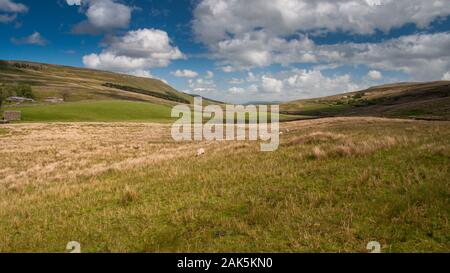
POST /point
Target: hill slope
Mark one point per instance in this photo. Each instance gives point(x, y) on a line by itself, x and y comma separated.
point(77, 84)
point(405, 100)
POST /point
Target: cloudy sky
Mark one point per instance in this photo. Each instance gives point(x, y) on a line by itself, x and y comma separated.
point(238, 50)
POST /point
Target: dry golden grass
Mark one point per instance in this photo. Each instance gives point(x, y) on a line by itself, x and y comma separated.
point(43, 153)
point(333, 185)
point(37, 154)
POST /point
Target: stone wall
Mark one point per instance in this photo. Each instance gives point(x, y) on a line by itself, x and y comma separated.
point(12, 115)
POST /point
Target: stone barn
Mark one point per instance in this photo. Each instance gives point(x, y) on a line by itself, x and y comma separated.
point(12, 115)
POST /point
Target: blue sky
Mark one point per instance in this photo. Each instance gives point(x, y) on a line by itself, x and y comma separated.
point(238, 50)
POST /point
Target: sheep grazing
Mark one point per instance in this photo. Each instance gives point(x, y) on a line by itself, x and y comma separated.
point(200, 152)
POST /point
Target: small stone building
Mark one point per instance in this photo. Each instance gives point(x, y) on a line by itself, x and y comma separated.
point(19, 99)
point(12, 115)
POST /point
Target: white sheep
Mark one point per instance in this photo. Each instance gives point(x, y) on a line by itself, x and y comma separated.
point(200, 152)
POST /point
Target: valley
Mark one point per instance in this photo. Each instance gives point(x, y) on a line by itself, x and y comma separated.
point(100, 167)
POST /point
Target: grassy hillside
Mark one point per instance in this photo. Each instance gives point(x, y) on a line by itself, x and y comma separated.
point(332, 186)
point(78, 84)
point(405, 100)
point(90, 95)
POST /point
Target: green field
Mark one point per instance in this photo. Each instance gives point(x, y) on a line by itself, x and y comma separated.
point(98, 111)
point(104, 111)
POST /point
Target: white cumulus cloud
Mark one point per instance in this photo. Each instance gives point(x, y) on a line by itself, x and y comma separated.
point(104, 16)
point(446, 76)
point(375, 75)
point(269, 84)
point(215, 20)
point(74, 2)
point(201, 85)
point(186, 73)
point(312, 83)
point(288, 85)
point(34, 39)
point(10, 9)
point(282, 31)
point(236, 90)
point(141, 73)
point(423, 56)
point(11, 6)
point(140, 49)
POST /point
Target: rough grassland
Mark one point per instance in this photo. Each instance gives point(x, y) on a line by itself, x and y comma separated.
point(333, 185)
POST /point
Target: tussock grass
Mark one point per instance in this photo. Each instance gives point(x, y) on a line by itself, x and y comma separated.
point(390, 184)
point(318, 153)
point(128, 195)
point(316, 138)
point(329, 145)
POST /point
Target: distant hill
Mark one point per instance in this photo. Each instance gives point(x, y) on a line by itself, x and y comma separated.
point(66, 93)
point(79, 84)
point(404, 100)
